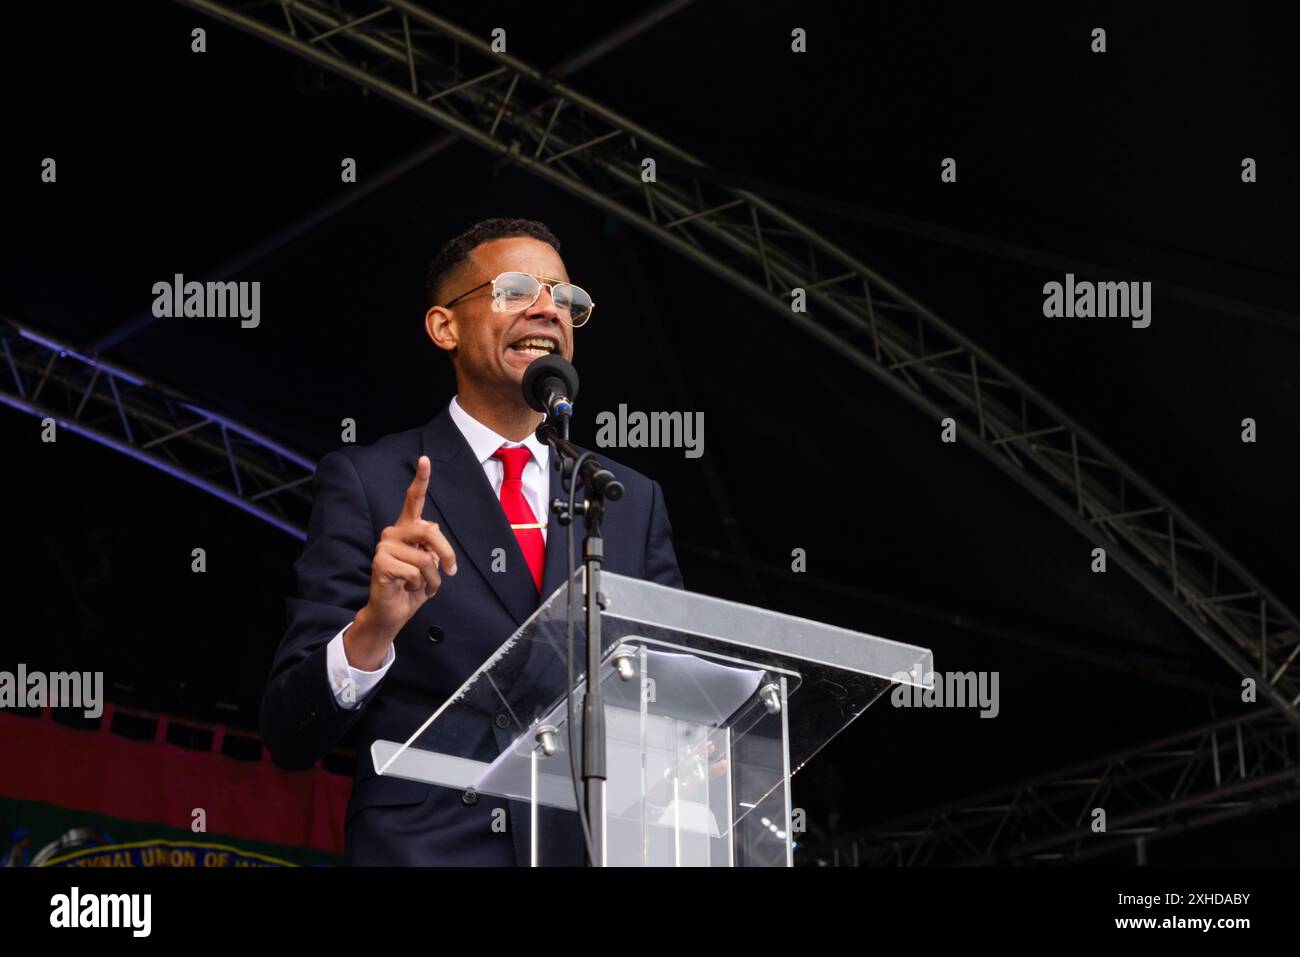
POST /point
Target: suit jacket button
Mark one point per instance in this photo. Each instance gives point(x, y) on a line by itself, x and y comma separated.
point(503, 721)
point(435, 634)
point(469, 797)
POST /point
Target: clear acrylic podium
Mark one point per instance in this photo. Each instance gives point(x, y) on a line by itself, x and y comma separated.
point(711, 706)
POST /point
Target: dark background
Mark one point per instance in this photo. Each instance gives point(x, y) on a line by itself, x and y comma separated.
point(173, 162)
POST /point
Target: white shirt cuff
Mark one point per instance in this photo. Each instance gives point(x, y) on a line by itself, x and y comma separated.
point(351, 684)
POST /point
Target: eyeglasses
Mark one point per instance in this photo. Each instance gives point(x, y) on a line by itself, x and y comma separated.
point(514, 291)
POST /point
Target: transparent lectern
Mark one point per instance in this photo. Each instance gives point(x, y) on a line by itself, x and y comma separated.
point(710, 708)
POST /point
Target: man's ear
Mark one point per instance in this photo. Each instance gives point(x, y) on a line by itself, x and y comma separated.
point(440, 324)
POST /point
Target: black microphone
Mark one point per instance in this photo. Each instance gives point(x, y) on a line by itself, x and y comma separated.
point(551, 385)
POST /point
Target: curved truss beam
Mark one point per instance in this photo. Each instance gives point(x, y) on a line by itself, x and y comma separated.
point(450, 76)
point(152, 424)
point(1216, 772)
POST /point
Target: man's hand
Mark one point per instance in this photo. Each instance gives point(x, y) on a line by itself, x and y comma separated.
point(405, 573)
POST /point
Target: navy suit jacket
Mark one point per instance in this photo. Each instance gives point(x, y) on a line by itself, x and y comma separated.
point(358, 492)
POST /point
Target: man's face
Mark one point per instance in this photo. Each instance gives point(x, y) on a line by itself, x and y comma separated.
point(490, 345)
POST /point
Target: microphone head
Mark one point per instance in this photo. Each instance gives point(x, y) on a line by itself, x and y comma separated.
point(545, 368)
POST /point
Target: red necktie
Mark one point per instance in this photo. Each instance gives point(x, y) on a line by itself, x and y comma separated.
point(518, 513)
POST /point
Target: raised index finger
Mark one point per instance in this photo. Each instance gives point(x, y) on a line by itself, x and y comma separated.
point(413, 507)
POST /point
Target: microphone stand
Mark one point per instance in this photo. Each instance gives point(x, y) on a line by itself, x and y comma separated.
point(600, 485)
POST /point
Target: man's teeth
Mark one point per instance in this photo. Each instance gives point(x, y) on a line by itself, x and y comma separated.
point(534, 347)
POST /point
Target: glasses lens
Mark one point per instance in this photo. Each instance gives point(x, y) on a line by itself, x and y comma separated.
point(512, 291)
point(572, 303)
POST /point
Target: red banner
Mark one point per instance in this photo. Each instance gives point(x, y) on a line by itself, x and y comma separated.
point(99, 771)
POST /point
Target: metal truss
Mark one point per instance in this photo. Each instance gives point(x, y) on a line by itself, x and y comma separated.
point(1222, 770)
point(526, 117)
point(89, 396)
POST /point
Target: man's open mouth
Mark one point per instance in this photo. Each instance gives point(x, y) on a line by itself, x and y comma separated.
point(535, 346)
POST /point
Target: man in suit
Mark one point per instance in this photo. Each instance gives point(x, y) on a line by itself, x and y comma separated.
point(398, 599)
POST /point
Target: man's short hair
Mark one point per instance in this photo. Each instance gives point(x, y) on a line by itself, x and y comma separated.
point(456, 251)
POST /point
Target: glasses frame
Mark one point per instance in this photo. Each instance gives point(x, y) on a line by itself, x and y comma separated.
point(541, 282)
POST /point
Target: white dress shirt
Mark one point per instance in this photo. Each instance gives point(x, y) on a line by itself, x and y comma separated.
point(350, 684)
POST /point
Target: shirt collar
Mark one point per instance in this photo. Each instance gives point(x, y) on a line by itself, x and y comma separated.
point(483, 441)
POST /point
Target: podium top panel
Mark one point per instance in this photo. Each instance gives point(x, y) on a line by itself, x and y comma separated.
point(707, 663)
point(760, 631)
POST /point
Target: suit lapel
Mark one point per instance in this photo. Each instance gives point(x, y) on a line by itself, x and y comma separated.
point(463, 495)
